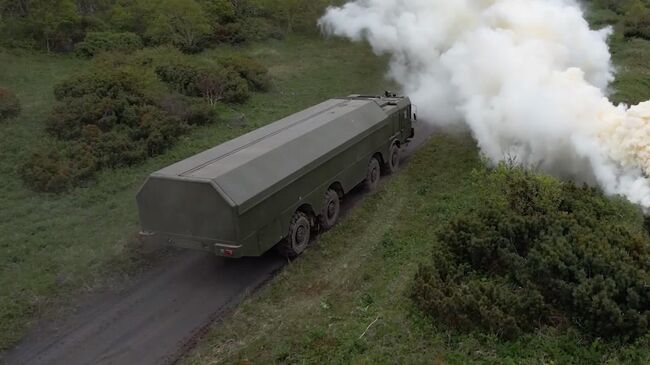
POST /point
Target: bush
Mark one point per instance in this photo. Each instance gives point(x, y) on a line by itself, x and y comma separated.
point(256, 74)
point(101, 83)
point(255, 29)
point(220, 84)
point(104, 121)
point(193, 111)
point(540, 252)
point(51, 171)
point(181, 77)
point(9, 105)
point(182, 23)
point(213, 83)
point(97, 42)
point(229, 33)
point(251, 29)
point(201, 114)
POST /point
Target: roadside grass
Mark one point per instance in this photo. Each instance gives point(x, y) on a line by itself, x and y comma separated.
point(346, 300)
point(54, 247)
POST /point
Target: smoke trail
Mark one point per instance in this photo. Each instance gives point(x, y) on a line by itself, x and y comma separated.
point(528, 77)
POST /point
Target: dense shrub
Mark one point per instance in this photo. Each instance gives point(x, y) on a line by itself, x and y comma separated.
point(540, 252)
point(101, 83)
point(105, 120)
point(182, 77)
point(229, 33)
point(97, 42)
point(53, 171)
point(195, 112)
point(213, 83)
point(9, 105)
point(220, 84)
point(259, 29)
point(256, 74)
point(252, 29)
point(182, 23)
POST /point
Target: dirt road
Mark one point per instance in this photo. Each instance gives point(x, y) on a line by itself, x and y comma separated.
point(157, 319)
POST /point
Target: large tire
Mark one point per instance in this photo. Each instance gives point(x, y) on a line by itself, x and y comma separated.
point(330, 211)
point(372, 175)
point(299, 236)
point(394, 156)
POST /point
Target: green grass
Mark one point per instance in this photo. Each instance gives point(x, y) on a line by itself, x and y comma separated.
point(54, 247)
point(632, 84)
point(630, 55)
point(318, 308)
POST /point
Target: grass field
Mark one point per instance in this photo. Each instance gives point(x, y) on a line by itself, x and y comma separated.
point(345, 301)
point(54, 247)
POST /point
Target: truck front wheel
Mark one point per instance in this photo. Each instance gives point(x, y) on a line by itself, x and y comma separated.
point(331, 208)
point(298, 238)
point(373, 174)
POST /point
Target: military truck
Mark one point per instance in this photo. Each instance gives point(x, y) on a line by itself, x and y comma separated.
point(279, 185)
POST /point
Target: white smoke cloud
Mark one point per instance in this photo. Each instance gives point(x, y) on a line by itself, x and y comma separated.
point(528, 77)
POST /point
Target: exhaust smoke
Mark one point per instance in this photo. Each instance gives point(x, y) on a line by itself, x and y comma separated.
point(528, 77)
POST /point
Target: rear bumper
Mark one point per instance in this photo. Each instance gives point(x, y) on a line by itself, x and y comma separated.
point(218, 248)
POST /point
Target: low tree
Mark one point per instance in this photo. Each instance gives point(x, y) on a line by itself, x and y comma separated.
point(47, 23)
point(182, 23)
point(132, 15)
point(53, 21)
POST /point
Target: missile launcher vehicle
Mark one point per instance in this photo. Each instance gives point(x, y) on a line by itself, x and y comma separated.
point(279, 185)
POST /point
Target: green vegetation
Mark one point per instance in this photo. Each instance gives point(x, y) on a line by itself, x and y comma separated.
point(98, 42)
point(630, 52)
point(120, 112)
point(190, 25)
point(348, 298)
point(632, 16)
point(539, 252)
point(54, 246)
point(9, 105)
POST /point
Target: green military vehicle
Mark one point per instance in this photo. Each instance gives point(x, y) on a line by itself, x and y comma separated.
point(280, 184)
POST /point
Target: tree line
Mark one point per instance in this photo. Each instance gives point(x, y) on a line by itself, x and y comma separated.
point(60, 25)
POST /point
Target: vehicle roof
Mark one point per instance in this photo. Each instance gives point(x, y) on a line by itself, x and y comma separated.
point(253, 166)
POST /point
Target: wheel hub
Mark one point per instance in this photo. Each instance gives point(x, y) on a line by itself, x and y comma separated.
point(331, 209)
point(301, 233)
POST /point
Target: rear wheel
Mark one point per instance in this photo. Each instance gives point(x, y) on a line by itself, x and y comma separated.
point(331, 209)
point(393, 159)
point(298, 238)
point(372, 175)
